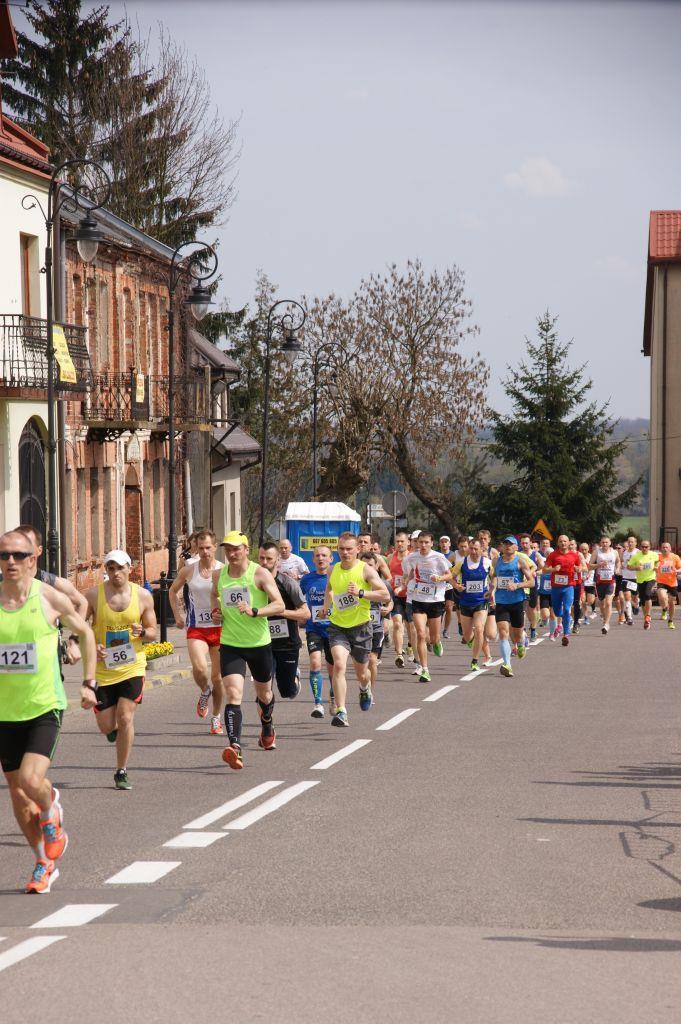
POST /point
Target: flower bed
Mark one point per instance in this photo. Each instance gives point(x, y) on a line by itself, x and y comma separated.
point(158, 650)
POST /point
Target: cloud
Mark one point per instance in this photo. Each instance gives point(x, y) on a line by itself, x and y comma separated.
point(468, 220)
point(539, 179)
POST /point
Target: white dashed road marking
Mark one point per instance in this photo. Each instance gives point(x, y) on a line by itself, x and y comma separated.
point(440, 693)
point(340, 754)
point(73, 915)
point(472, 675)
point(232, 805)
point(196, 840)
point(273, 804)
point(142, 872)
point(392, 722)
point(27, 948)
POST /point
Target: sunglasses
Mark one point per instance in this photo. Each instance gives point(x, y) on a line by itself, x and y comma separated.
point(18, 556)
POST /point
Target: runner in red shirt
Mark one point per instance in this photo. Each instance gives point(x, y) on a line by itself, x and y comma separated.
point(564, 565)
point(398, 576)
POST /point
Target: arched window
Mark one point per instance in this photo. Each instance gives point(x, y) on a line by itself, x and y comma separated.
point(32, 495)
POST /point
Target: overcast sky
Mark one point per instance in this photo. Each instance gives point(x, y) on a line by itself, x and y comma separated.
point(526, 143)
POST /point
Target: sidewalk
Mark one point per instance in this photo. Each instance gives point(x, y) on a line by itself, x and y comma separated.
point(160, 671)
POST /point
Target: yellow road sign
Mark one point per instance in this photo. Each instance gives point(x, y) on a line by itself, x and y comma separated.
point(541, 527)
point(67, 371)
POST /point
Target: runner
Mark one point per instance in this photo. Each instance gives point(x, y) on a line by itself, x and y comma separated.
point(429, 570)
point(533, 599)
point(123, 620)
point(244, 595)
point(378, 614)
point(365, 545)
point(605, 562)
point(462, 549)
point(313, 586)
point(350, 631)
point(409, 616)
point(473, 575)
point(398, 578)
point(290, 564)
point(32, 699)
point(628, 592)
point(485, 538)
point(563, 565)
point(451, 595)
point(668, 568)
point(203, 636)
point(588, 585)
point(513, 577)
point(284, 632)
point(644, 562)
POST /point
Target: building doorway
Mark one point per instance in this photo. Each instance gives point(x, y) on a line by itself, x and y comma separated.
point(32, 489)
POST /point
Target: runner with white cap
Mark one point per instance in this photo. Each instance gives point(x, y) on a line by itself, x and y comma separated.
point(123, 619)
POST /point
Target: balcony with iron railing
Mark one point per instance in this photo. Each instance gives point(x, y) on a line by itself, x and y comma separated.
point(23, 358)
point(120, 402)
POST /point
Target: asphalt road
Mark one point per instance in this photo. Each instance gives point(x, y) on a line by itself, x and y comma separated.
point(505, 853)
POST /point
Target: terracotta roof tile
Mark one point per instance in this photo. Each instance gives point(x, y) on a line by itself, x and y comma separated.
point(665, 235)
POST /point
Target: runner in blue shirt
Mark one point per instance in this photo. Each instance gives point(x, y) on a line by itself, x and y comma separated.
point(313, 586)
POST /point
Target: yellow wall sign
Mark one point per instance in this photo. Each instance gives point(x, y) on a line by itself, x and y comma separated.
point(310, 543)
point(67, 371)
point(139, 388)
point(541, 527)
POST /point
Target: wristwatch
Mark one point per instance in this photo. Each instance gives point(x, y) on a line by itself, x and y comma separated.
point(360, 592)
point(90, 684)
point(254, 612)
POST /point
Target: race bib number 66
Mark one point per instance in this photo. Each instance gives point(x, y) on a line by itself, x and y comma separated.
point(233, 596)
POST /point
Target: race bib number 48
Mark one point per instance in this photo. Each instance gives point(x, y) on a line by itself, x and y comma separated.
point(18, 658)
point(118, 657)
point(233, 596)
point(424, 590)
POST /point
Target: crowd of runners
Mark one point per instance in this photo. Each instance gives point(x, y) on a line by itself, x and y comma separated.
point(245, 618)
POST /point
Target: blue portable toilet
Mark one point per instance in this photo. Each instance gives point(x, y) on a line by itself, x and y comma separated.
point(309, 523)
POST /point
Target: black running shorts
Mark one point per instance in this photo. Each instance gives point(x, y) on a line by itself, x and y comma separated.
point(129, 689)
point(433, 609)
point(36, 736)
point(513, 613)
point(233, 662)
point(316, 642)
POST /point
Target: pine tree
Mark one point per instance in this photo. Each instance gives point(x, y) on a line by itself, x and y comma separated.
point(560, 445)
point(52, 86)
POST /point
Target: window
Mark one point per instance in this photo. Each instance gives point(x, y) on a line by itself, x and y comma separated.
point(30, 275)
point(103, 357)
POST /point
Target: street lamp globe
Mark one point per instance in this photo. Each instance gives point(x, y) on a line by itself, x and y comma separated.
point(88, 236)
point(199, 301)
point(292, 345)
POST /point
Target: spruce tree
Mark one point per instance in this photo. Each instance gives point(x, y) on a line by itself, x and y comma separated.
point(53, 85)
point(560, 446)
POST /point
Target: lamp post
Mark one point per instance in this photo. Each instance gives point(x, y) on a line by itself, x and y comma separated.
point(201, 264)
point(81, 196)
point(326, 349)
point(289, 323)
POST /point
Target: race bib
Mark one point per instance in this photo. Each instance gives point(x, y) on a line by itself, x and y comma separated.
point(278, 629)
point(375, 615)
point(425, 590)
point(204, 617)
point(645, 566)
point(232, 596)
point(604, 575)
point(18, 658)
point(589, 579)
point(632, 585)
point(398, 582)
point(344, 601)
point(560, 580)
point(318, 613)
point(118, 657)
point(504, 582)
point(475, 587)
point(545, 585)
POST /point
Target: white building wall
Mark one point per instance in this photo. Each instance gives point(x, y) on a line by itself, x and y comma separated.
point(14, 221)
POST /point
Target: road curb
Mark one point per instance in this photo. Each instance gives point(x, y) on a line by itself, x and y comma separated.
point(150, 684)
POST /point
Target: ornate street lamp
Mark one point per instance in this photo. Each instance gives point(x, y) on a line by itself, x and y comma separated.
point(80, 196)
point(328, 348)
point(289, 323)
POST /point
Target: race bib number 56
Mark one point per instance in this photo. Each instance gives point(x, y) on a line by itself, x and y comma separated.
point(118, 657)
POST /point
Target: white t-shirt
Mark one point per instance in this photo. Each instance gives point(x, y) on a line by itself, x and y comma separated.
point(293, 566)
point(605, 565)
point(628, 574)
point(425, 567)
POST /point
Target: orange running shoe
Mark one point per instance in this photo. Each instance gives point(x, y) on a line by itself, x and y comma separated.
point(267, 740)
point(54, 836)
point(44, 874)
point(216, 727)
point(232, 756)
point(202, 703)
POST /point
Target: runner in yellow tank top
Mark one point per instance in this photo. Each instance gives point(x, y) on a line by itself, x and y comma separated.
point(353, 585)
point(123, 617)
point(32, 699)
point(244, 594)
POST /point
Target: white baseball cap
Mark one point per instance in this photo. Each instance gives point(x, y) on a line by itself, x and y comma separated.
point(117, 556)
point(414, 535)
point(445, 536)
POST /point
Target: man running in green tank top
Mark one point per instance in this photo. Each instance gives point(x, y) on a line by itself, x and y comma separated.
point(32, 699)
point(353, 585)
point(244, 594)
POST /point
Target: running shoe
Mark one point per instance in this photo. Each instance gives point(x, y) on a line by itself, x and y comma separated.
point(671, 625)
point(488, 662)
point(664, 615)
point(646, 622)
point(522, 651)
point(340, 718)
point(621, 619)
point(232, 756)
point(121, 780)
point(604, 630)
point(44, 874)
point(438, 649)
point(565, 641)
point(425, 676)
point(317, 711)
point(474, 665)
point(445, 634)
point(416, 669)
point(399, 660)
point(555, 634)
point(506, 670)
point(410, 653)
point(575, 629)
point(54, 836)
point(267, 738)
point(111, 736)
point(365, 698)
point(630, 621)
point(202, 703)
point(216, 726)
